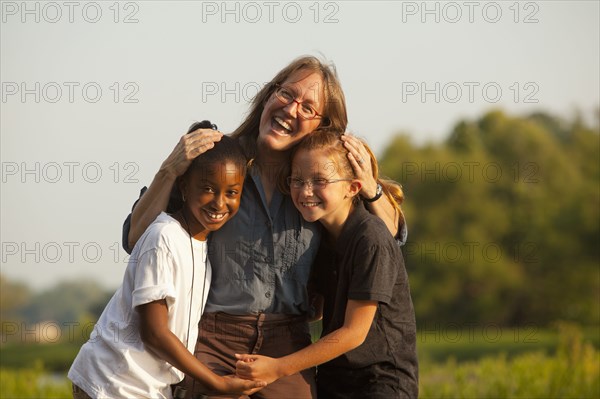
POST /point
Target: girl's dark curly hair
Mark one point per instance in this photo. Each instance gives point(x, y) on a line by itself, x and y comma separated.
point(227, 149)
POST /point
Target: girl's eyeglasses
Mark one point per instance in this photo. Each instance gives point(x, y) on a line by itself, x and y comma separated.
point(318, 183)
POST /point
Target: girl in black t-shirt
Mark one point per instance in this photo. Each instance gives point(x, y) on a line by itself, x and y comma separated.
point(368, 345)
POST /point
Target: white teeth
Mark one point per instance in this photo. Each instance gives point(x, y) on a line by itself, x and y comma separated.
point(310, 204)
point(283, 123)
point(217, 216)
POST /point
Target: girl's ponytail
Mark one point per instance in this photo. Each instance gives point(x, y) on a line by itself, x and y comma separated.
point(391, 189)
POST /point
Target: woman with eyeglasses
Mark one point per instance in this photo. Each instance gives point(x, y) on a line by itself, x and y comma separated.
point(258, 301)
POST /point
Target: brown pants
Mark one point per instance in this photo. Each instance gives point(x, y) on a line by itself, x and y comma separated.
point(79, 393)
point(222, 335)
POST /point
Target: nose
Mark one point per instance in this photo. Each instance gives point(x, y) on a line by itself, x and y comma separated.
point(307, 188)
point(219, 201)
point(292, 106)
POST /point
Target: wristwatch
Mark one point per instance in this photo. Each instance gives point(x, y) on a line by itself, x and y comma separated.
point(378, 193)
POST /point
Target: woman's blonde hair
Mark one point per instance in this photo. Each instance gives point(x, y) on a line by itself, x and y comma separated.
point(330, 141)
point(334, 112)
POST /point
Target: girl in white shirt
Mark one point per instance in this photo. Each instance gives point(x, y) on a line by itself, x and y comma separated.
point(145, 338)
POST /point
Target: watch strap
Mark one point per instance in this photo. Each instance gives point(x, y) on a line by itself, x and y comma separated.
point(378, 194)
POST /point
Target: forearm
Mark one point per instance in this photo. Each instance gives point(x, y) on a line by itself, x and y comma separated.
point(160, 340)
point(150, 205)
point(357, 322)
point(362, 159)
point(169, 348)
point(384, 209)
point(325, 349)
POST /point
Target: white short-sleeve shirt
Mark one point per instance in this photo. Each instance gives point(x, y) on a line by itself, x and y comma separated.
point(114, 363)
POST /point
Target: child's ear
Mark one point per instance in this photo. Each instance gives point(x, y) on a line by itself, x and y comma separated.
point(354, 188)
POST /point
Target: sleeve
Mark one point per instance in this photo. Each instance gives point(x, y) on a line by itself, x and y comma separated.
point(127, 225)
point(153, 277)
point(402, 234)
point(374, 272)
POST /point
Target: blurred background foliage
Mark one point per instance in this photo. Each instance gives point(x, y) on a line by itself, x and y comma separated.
point(503, 218)
point(67, 302)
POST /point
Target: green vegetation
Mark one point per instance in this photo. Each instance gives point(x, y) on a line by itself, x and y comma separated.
point(480, 342)
point(504, 221)
point(569, 369)
point(67, 302)
point(572, 372)
point(33, 383)
point(55, 357)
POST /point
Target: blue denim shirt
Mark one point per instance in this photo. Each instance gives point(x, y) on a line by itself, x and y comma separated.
point(262, 258)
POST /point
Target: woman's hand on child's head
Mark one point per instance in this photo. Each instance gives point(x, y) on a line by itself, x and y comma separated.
point(360, 159)
point(189, 147)
point(257, 367)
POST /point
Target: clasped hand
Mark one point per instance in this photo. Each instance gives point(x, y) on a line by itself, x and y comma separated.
point(257, 367)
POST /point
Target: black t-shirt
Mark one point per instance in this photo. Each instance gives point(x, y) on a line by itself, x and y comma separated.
point(367, 264)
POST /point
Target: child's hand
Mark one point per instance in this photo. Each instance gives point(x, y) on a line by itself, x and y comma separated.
point(257, 367)
point(233, 384)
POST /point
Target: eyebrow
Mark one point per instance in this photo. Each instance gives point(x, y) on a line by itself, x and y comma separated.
point(317, 175)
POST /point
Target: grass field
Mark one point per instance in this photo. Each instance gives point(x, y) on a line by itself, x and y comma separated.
point(562, 363)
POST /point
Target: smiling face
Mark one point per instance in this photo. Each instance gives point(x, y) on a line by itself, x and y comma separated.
point(280, 125)
point(330, 203)
point(212, 196)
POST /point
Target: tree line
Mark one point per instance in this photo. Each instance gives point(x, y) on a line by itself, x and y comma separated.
point(503, 220)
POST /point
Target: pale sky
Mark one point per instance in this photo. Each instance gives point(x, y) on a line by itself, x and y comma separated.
point(96, 94)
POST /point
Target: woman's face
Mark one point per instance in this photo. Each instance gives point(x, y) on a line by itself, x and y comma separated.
point(280, 125)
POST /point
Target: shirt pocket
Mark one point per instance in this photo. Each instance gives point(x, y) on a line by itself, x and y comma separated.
point(230, 248)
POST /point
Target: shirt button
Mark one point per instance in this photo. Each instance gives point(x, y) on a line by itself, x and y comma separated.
point(268, 294)
point(268, 223)
point(268, 259)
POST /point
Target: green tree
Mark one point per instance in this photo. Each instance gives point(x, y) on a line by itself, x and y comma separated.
point(503, 218)
point(68, 301)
